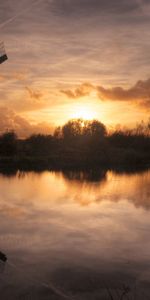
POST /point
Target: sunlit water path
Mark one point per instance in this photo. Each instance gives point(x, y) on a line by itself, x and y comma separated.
point(87, 234)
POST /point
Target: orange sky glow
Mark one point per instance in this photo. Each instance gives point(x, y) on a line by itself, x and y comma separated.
point(74, 59)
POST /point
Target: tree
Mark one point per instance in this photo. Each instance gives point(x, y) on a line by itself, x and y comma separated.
point(80, 128)
point(94, 129)
point(8, 143)
point(39, 144)
point(72, 129)
point(58, 133)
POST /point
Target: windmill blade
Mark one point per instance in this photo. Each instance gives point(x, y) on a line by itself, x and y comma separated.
point(3, 55)
point(3, 257)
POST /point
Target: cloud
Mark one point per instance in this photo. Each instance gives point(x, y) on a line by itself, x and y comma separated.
point(14, 76)
point(68, 42)
point(2, 78)
point(34, 94)
point(97, 6)
point(32, 102)
point(140, 92)
point(10, 120)
point(81, 91)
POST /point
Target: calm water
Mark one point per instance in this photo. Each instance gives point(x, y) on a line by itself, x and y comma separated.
point(75, 235)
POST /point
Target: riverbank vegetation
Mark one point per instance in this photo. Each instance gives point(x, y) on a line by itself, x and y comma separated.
point(79, 144)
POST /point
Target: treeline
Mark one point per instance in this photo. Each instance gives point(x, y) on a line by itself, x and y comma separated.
point(78, 144)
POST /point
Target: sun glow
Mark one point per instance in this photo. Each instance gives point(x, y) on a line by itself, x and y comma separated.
point(84, 112)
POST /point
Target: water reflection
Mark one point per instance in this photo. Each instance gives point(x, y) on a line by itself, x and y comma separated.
point(86, 176)
point(84, 232)
point(109, 186)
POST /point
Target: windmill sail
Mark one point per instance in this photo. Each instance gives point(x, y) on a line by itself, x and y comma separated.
point(3, 55)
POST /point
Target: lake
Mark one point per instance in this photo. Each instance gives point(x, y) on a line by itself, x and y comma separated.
point(75, 235)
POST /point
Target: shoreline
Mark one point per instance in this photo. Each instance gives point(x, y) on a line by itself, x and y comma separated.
point(47, 164)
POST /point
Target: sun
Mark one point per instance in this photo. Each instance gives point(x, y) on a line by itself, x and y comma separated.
point(84, 112)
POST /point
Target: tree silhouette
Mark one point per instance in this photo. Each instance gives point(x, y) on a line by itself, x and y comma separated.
point(94, 129)
point(8, 143)
point(78, 128)
point(78, 144)
point(72, 129)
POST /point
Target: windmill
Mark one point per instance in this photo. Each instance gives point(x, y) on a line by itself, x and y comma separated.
point(3, 55)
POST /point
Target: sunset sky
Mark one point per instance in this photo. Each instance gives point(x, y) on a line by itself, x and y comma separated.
point(71, 59)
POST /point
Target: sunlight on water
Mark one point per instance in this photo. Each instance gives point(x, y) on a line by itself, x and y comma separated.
point(57, 225)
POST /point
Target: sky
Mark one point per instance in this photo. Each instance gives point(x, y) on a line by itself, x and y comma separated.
point(74, 59)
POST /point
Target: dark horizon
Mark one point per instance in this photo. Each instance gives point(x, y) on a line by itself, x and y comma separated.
point(78, 144)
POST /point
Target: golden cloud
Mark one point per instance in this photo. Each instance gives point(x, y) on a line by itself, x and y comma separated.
point(10, 120)
point(32, 100)
point(34, 94)
point(81, 91)
point(139, 93)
